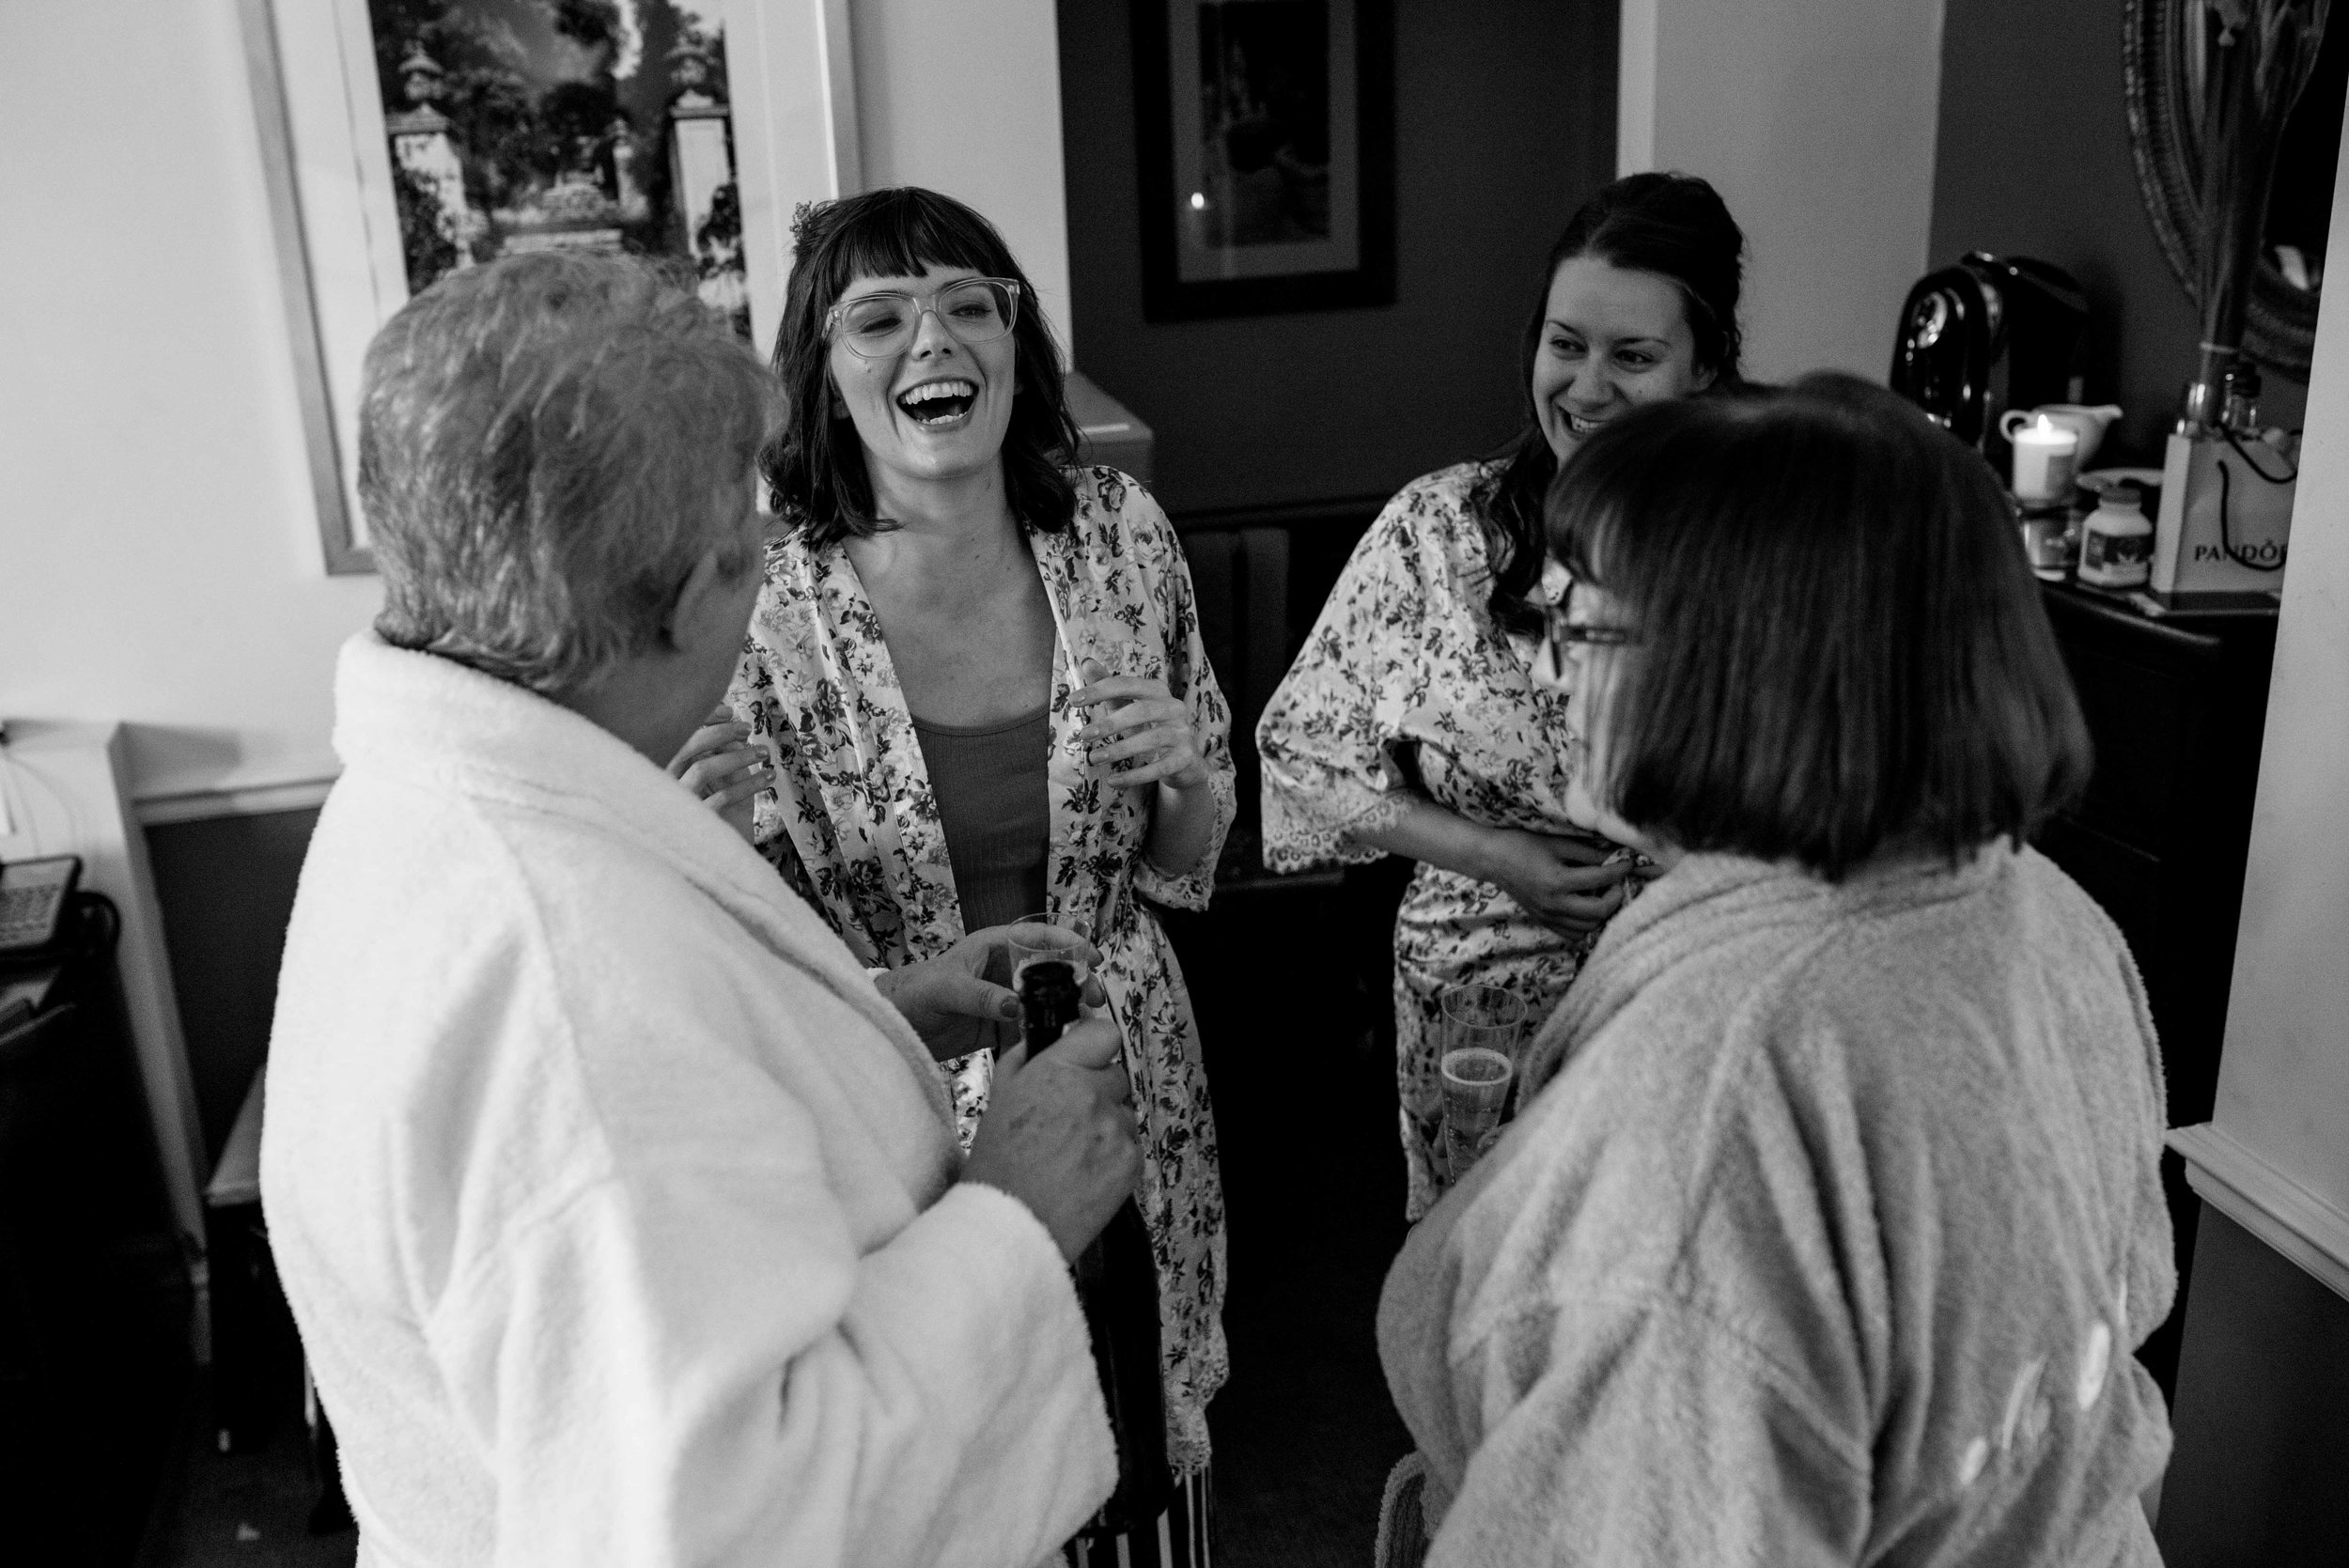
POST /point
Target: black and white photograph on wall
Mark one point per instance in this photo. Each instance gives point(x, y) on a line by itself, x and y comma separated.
point(1265, 133)
point(1272, 127)
point(526, 125)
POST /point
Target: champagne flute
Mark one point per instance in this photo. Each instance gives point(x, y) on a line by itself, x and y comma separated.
point(1483, 1015)
point(1475, 1088)
point(1483, 1027)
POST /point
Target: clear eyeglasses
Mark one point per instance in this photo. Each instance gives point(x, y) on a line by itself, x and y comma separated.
point(875, 326)
point(1559, 636)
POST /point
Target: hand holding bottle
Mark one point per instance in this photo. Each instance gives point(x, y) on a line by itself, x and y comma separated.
point(1059, 1134)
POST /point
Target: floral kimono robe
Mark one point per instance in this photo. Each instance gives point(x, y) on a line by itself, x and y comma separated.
point(1406, 684)
point(852, 823)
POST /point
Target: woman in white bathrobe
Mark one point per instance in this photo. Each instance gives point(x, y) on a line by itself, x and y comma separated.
point(621, 1214)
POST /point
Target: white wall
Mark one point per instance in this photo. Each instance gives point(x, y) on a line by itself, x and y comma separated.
point(1815, 118)
point(158, 556)
point(964, 97)
point(2283, 1082)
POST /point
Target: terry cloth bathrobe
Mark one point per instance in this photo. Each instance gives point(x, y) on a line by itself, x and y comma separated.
point(617, 1210)
point(1828, 1245)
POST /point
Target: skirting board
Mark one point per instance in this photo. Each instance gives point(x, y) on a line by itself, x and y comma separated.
point(197, 805)
point(2297, 1223)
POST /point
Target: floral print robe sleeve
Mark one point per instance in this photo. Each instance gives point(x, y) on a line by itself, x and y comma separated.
point(853, 824)
point(1404, 686)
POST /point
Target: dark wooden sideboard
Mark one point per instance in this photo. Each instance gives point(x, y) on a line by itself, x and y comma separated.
point(2176, 708)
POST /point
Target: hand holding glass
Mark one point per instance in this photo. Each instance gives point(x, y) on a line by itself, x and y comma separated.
point(1140, 732)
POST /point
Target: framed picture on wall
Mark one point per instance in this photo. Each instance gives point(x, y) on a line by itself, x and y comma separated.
point(1265, 129)
point(403, 140)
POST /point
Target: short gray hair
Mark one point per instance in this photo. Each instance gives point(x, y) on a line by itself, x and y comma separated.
point(544, 444)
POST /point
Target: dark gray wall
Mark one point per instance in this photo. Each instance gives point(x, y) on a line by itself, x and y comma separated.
point(2261, 1471)
point(2032, 159)
point(1504, 121)
point(227, 888)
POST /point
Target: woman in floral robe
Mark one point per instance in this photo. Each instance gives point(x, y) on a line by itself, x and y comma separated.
point(1411, 723)
point(924, 456)
point(853, 824)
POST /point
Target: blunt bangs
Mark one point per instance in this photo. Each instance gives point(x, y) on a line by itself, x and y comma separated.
point(1842, 651)
point(817, 464)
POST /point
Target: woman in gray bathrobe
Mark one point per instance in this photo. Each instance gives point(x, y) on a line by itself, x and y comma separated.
point(1832, 1213)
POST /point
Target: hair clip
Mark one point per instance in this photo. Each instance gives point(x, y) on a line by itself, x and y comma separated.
point(803, 221)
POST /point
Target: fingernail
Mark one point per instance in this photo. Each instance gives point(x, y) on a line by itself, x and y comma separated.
point(1010, 1007)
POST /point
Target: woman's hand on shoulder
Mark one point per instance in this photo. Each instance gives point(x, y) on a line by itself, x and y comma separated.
point(1567, 884)
point(724, 768)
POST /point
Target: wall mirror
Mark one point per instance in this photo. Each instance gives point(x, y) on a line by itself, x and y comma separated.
point(2166, 67)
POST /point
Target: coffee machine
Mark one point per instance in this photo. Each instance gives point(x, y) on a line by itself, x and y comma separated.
point(1988, 335)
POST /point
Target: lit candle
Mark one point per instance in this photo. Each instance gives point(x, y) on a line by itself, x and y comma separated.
point(2044, 455)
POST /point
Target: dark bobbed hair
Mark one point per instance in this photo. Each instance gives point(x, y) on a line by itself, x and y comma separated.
point(1842, 651)
point(816, 466)
point(1674, 225)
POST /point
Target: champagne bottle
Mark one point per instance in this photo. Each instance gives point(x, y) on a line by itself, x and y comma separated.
point(1117, 1285)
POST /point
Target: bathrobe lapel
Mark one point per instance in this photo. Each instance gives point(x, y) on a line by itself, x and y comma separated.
point(494, 741)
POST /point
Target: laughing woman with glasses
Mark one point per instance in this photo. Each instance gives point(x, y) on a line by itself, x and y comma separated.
point(1411, 723)
point(974, 690)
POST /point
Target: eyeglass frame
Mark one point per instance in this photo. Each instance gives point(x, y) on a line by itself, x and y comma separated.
point(1561, 634)
point(924, 305)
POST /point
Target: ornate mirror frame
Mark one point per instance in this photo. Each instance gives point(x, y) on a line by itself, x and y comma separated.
point(2165, 134)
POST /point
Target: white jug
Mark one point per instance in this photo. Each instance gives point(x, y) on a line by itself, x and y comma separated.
point(2083, 420)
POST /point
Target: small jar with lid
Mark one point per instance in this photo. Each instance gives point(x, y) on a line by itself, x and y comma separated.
point(2050, 539)
point(2117, 543)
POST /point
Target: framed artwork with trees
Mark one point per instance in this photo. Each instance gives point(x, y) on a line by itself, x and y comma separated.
point(405, 139)
point(1265, 131)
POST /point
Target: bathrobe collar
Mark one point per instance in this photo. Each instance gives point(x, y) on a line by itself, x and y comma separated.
point(452, 729)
